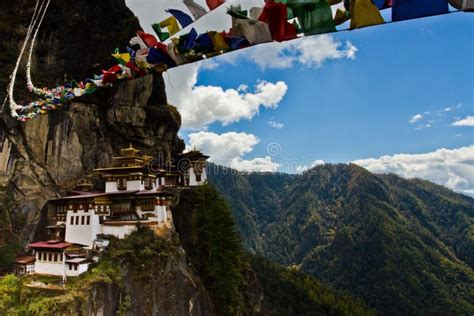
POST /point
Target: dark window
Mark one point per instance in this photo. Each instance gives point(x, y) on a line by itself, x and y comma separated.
point(40, 256)
point(101, 219)
point(50, 257)
point(75, 267)
point(88, 220)
point(70, 266)
point(72, 220)
point(77, 220)
point(83, 220)
point(61, 257)
point(198, 178)
point(121, 184)
point(55, 257)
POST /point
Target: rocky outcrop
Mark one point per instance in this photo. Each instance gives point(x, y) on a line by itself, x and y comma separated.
point(42, 158)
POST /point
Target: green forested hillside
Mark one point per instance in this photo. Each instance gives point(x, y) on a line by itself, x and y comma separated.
point(403, 246)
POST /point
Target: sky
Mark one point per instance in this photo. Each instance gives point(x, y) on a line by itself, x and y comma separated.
point(392, 98)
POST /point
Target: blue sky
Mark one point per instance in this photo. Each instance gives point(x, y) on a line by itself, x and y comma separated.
point(391, 93)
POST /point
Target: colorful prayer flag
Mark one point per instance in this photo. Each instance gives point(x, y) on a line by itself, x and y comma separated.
point(183, 19)
point(196, 10)
point(412, 9)
point(212, 4)
point(275, 15)
point(171, 24)
point(364, 13)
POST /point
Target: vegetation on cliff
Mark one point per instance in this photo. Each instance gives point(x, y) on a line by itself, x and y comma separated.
point(403, 246)
point(10, 243)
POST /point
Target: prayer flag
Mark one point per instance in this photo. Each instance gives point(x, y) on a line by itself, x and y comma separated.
point(364, 13)
point(411, 9)
point(315, 16)
point(254, 31)
point(196, 10)
point(171, 24)
point(149, 39)
point(275, 14)
point(212, 4)
point(163, 36)
point(182, 17)
point(218, 41)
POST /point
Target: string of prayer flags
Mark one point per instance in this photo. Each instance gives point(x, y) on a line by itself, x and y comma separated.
point(196, 10)
point(183, 19)
point(412, 9)
point(364, 13)
point(278, 20)
point(213, 4)
point(171, 24)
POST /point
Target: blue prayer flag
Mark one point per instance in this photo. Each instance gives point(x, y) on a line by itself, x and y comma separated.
point(182, 17)
point(411, 9)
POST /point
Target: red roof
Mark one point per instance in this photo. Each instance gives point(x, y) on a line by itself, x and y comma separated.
point(50, 244)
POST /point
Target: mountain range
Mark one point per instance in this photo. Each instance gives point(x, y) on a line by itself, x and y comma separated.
point(405, 247)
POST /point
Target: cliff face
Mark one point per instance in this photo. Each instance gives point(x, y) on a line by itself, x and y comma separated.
point(41, 158)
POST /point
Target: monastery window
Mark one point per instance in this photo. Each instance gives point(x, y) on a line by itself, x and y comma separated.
point(75, 267)
point(60, 257)
point(50, 256)
point(55, 257)
point(70, 266)
point(72, 220)
point(88, 220)
point(121, 184)
point(101, 219)
point(39, 256)
point(77, 220)
point(198, 177)
point(148, 184)
point(83, 219)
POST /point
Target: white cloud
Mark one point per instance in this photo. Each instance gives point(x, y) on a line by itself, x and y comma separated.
point(228, 149)
point(416, 118)
point(453, 168)
point(468, 121)
point(276, 124)
point(303, 168)
point(309, 52)
point(255, 165)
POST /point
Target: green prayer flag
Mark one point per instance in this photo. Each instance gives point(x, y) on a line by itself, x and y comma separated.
point(163, 36)
point(314, 16)
point(238, 14)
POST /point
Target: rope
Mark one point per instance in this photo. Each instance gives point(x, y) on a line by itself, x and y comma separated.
point(13, 105)
point(29, 82)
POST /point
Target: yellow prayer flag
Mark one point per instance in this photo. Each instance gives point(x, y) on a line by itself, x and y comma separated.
point(218, 41)
point(364, 13)
point(171, 24)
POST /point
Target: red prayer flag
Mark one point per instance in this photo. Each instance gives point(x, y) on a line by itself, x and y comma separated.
point(212, 4)
point(275, 15)
point(149, 39)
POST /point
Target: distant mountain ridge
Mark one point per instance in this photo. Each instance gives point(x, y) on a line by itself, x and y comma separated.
point(403, 246)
